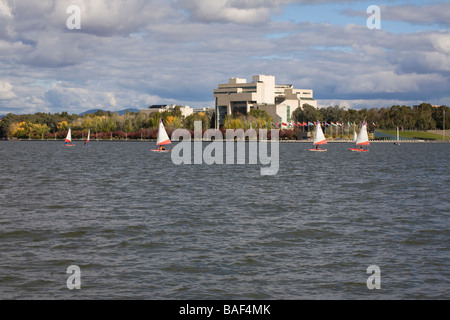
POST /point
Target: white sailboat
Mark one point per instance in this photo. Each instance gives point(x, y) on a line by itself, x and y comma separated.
point(362, 139)
point(86, 144)
point(397, 143)
point(68, 140)
point(162, 139)
point(319, 138)
point(355, 136)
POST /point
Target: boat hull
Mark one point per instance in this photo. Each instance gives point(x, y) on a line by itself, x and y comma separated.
point(358, 150)
point(317, 150)
point(160, 151)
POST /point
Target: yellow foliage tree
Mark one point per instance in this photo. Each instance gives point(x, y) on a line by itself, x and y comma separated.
point(63, 126)
point(17, 129)
point(173, 122)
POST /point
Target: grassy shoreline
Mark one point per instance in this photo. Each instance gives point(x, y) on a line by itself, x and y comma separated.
point(416, 135)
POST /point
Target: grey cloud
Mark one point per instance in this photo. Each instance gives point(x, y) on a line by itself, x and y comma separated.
point(100, 17)
point(54, 51)
point(172, 59)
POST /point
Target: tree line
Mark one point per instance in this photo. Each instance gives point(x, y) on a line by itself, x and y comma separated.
point(136, 125)
point(421, 118)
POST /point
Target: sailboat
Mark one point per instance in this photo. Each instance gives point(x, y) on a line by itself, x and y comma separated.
point(362, 139)
point(398, 138)
point(319, 138)
point(162, 138)
point(68, 141)
point(86, 144)
point(355, 136)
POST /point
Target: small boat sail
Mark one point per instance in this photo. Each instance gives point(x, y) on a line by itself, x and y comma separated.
point(355, 136)
point(319, 138)
point(397, 143)
point(162, 139)
point(362, 140)
point(68, 141)
point(86, 144)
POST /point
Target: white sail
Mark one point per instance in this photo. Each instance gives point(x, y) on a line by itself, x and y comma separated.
point(398, 138)
point(355, 136)
point(69, 136)
point(319, 137)
point(363, 138)
point(162, 138)
point(88, 138)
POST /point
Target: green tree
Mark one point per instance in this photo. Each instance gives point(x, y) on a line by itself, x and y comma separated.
point(5, 123)
point(188, 122)
point(307, 114)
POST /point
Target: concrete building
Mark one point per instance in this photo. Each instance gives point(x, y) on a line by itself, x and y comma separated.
point(279, 101)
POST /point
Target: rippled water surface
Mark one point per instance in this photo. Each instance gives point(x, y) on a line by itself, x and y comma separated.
point(141, 227)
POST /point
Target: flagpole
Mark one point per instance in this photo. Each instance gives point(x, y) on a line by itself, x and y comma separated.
point(443, 126)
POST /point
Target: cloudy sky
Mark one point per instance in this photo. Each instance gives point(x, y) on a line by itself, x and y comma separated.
point(134, 53)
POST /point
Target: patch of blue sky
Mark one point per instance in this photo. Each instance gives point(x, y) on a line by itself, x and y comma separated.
point(336, 14)
point(47, 84)
point(277, 35)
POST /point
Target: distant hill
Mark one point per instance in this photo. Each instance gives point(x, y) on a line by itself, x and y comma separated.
point(92, 111)
point(120, 112)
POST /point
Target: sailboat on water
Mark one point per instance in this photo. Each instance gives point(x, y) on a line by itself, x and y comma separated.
point(86, 144)
point(68, 141)
point(162, 139)
point(319, 138)
point(397, 143)
point(362, 139)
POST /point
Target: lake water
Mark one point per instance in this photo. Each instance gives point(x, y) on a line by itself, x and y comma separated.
point(140, 227)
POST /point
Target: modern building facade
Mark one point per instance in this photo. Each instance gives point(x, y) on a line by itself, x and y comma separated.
point(279, 101)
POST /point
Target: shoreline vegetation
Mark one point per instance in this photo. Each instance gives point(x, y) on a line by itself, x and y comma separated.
point(339, 124)
point(309, 141)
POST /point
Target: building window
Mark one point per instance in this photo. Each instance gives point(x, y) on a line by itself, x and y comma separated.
point(222, 114)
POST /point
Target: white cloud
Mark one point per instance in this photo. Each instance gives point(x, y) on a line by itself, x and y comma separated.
point(136, 53)
point(78, 99)
point(6, 18)
point(6, 91)
point(441, 42)
point(225, 11)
